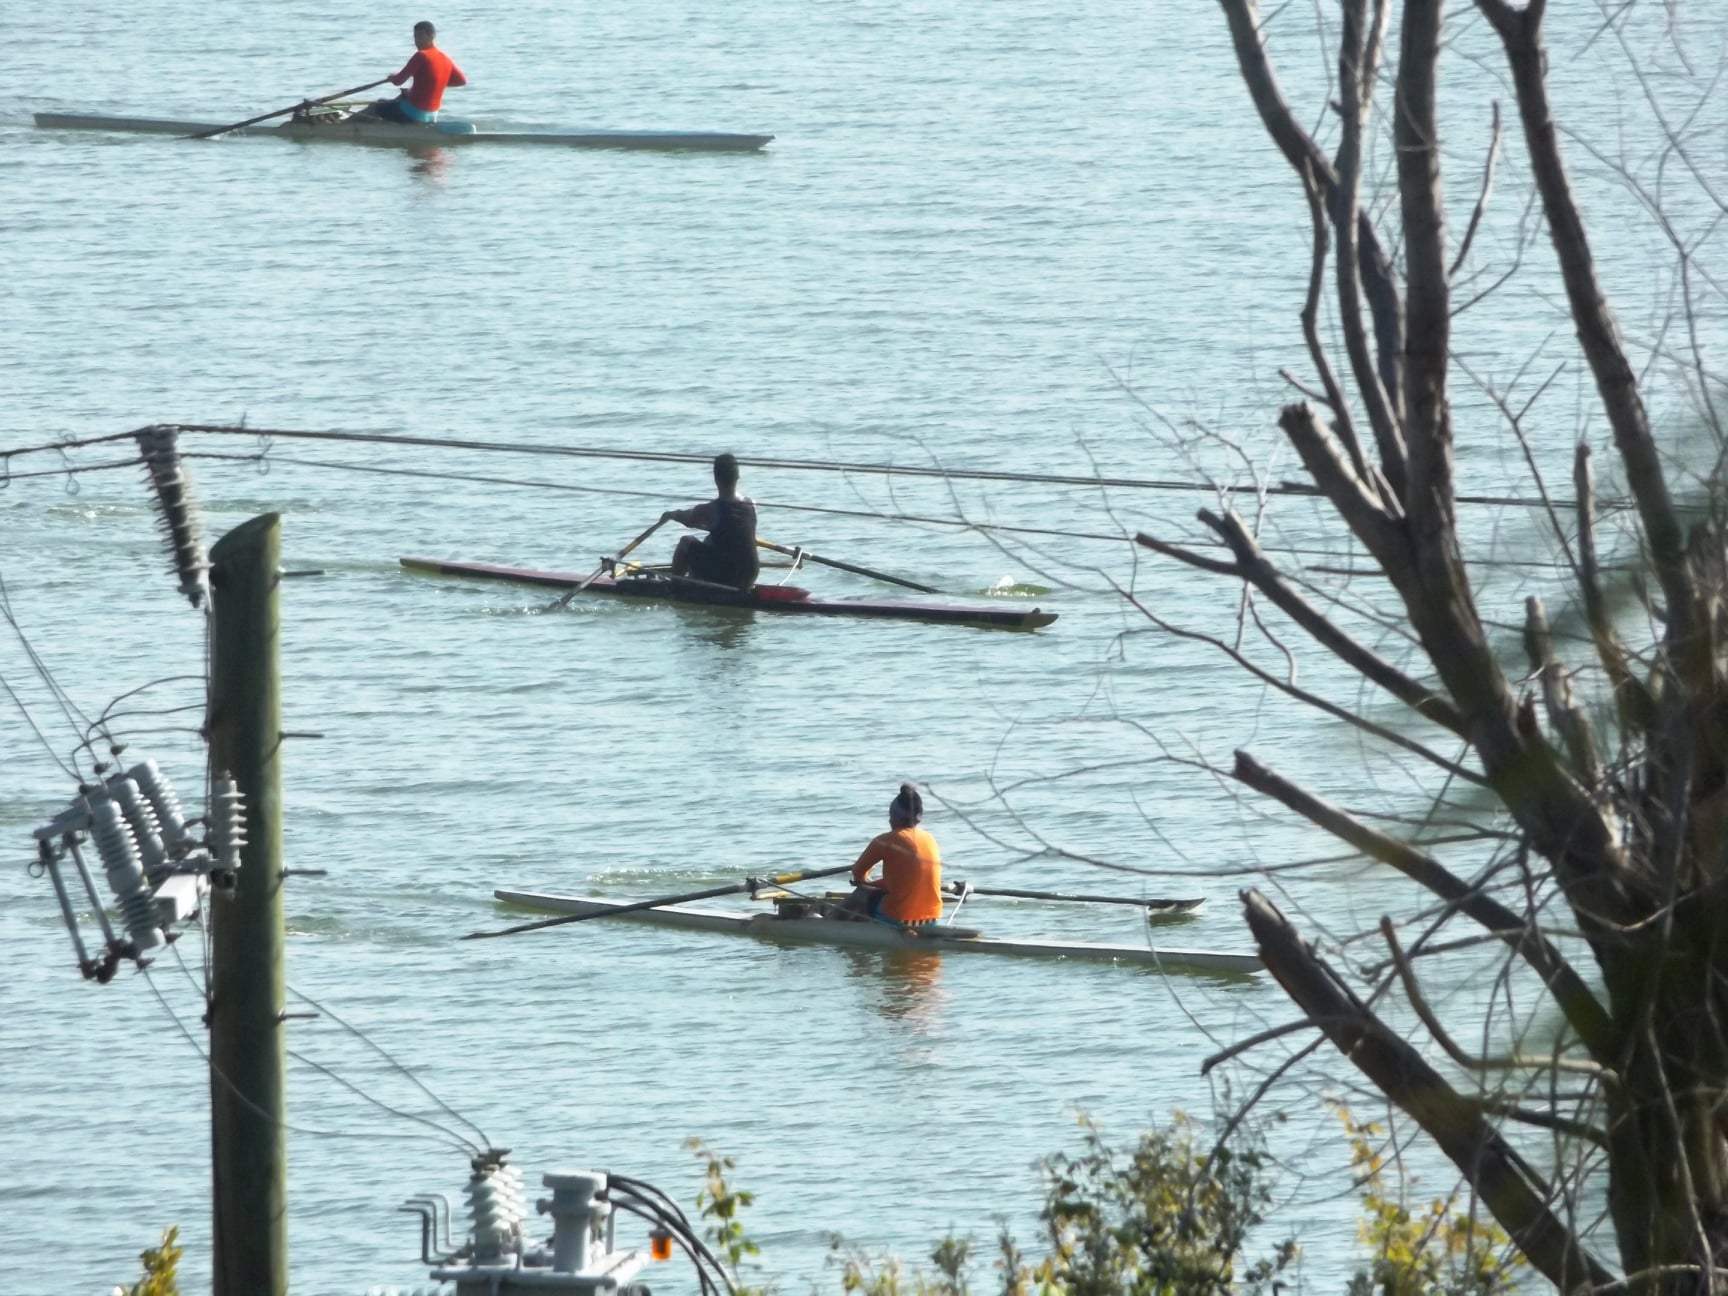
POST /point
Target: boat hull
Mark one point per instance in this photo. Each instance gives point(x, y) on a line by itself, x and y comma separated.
point(400, 134)
point(876, 935)
point(762, 599)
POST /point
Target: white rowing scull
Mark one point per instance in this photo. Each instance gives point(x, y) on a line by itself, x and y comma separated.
point(877, 935)
point(352, 130)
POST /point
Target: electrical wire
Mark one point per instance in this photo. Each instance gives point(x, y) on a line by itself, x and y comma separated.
point(59, 694)
point(381, 1051)
point(264, 457)
point(253, 1107)
point(459, 1143)
point(671, 1215)
point(701, 1260)
point(937, 471)
point(964, 524)
point(37, 730)
point(7, 477)
point(455, 1140)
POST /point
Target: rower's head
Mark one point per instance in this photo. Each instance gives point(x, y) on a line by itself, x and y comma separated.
point(424, 34)
point(906, 809)
point(726, 473)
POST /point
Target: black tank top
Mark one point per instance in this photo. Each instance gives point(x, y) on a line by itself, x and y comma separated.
point(733, 538)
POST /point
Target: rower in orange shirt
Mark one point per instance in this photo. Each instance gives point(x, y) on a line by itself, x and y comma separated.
point(432, 72)
point(909, 890)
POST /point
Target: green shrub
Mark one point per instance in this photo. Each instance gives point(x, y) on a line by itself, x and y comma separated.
point(161, 1267)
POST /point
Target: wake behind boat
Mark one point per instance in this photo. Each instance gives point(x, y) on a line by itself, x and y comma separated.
point(784, 599)
point(799, 922)
point(341, 126)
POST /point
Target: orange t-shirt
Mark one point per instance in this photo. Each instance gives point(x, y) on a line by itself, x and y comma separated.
point(911, 874)
point(432, 70)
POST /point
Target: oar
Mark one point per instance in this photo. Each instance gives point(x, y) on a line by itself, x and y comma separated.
point(304, 103)
point(749, 884)
point(848, 567)
point(1155, 903)
point(600, 570)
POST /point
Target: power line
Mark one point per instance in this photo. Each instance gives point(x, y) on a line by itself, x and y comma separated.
point(1117, 537)
point(59, 694)
point(384, 1053)
point(265, 457)
point(241, 1098)
point(36, 729)
point(933, 471)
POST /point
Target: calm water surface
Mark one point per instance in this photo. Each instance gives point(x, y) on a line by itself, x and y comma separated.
point(1009, 236)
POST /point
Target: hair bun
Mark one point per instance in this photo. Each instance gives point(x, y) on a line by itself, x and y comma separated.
point(908, 804)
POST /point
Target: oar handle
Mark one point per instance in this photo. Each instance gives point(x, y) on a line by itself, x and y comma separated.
point(849, 567)
point(304, 103)
point(749, 884)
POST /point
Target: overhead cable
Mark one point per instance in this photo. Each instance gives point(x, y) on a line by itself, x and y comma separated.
point(931, 471)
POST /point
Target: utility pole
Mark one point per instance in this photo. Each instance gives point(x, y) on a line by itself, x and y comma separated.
point(248, 1143)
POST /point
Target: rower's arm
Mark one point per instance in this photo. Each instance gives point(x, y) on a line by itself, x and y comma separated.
point(699, 517)
point(871, 857)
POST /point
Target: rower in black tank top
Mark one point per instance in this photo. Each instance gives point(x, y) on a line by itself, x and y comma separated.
point(727, 555)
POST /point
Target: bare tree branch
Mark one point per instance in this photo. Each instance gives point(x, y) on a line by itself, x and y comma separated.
point(1633, 703)
point(1469, 1061)
point(1356, 91)
point(1509, 1188)
point(1299, 149)
point(1583, 1011)
point(1520, 33)
point(1564, 714)
point(1481, 198)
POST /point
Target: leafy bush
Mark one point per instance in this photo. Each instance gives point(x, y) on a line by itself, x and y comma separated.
point(161, 1268)
point(1433, 1250)
point(1163, 1218)
point(721, 1206)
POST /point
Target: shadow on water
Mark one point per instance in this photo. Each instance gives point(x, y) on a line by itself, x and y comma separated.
point(713, 628)
point(900, 985)
point(429, 164)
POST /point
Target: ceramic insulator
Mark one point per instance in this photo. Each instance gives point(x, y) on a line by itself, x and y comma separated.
point(141, 818)
point(159, 792)
point(498, 1206)
point(119, 852)
point(161, 455)
point(227, 823)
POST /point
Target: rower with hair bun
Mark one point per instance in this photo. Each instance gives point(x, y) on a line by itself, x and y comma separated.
point(909, 890)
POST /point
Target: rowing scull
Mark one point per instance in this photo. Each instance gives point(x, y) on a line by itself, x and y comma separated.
point(398, 134)
point(787, 599)
point(877, 935)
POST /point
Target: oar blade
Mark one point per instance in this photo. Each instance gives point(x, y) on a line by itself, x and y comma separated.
point(749, 884)
point(601, 569)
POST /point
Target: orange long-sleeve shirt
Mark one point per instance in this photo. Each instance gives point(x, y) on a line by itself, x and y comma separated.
point(911, 874)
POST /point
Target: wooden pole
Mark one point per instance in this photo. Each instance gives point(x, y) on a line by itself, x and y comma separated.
point(248, 1143)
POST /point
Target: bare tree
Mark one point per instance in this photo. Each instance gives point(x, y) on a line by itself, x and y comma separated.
point(1612, 897)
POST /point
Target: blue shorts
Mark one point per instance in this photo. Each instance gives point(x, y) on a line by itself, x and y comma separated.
point(400, 110)
point(874, 910)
